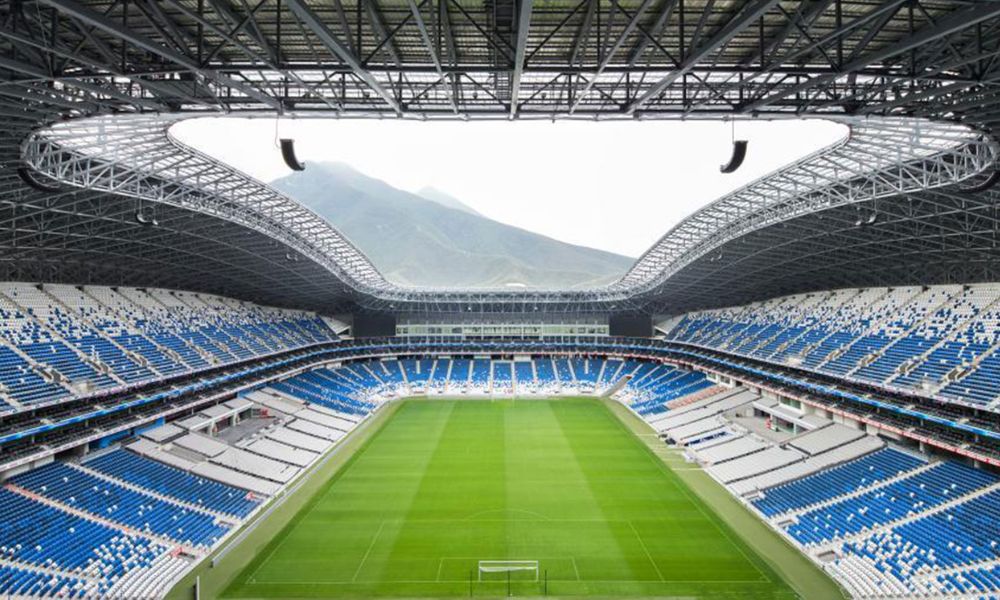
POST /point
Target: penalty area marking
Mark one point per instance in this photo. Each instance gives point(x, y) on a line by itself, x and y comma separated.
point(649, 556)
point(364, 558)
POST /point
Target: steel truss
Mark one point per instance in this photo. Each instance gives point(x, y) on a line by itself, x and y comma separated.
point(135, 156)
point(914, 80)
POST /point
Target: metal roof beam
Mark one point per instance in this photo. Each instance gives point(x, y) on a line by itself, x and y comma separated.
point(750, 14)
point(801, 20)
point(654, 32)
point(584, 32)
point(88, 16)
point(334, 45)
point(520, 50)
point(615, 47)
point(945, 27)
point(91, 88)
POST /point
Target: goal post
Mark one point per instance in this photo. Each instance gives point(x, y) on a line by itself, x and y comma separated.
point(500, 570)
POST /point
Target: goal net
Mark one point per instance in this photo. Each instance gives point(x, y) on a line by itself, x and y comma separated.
point(500, 570)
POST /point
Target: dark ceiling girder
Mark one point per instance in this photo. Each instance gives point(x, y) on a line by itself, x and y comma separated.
point(748, 15)
point(945, 27)
point(610, 55)
point(89, 17)
point(662, 18)
point(57, 65)
point(805, 14)
point(583, 32)
point(524, 9)
point(314, 23)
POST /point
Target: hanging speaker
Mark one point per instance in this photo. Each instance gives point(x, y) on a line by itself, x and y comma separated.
point(984, 183)
point(29, 178)
point(739, 153)
point(148, 220)
point(288, 153)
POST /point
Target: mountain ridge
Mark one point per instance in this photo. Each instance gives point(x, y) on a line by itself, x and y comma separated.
point(445, 199)
point(415, 240)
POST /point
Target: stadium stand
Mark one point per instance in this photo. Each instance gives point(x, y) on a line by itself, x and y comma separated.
point(880, 517)
point(884, 521)
point(174, 483)
point(145, 511)
point(67, 341)
point(940, 342)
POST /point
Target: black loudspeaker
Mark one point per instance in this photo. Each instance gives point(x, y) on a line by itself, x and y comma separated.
point(984, 183)
point(29, 178)
point(148, 220)
point(288, 153)
point(739, 153)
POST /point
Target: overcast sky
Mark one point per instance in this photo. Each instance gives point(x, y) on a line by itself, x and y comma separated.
point(617, 186)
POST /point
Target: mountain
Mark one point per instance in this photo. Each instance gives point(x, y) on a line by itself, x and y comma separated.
point(446, 200)
point(441, 242)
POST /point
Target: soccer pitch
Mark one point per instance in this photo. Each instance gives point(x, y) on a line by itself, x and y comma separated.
point(444, 484)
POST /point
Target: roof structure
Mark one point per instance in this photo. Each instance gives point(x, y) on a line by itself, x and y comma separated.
point(94, 190)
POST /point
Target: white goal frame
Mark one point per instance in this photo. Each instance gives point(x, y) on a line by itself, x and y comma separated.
point(507, 566)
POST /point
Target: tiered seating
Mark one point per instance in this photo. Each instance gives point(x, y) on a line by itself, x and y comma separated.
point(417, 372)
point(985, 579)
point(33, 533)
point(120, 320)
point(357, 386)
point(163, 327)
point(35, 584)
point(503, 377)
point(36, 340)
point(961, 535)
point(439, 374)
point(104, 499)
point(662, 384)
point(200, 330)
point(586, 371)
point(84, 312)
point(941, 483)
point(391, 373)
point(524, 373)
point(970, 336)
point(458, 378)
point(545, 374)
point(175, 483)
point(564, 372)
point(807, 325)
point(766, 321)
point(18, 381)
point(942, 341)
point(977, 385)
point(838, 481)
point(610, 374)
point(888, 329)
point(68, 340)
point(319, 389)
point(366, 377)
point(850, 320)
point(817, 462)
point(917, 328)
point(479, 378)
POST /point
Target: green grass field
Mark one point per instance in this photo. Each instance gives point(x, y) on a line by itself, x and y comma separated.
point(444, 484)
